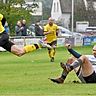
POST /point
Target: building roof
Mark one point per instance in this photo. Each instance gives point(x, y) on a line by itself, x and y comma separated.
point(66, 5)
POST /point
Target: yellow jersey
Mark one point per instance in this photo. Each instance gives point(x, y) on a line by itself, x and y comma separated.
point(52, 36)
point(1, 26)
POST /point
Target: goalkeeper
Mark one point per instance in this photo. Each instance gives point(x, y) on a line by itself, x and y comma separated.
point(83, 65)
point(11, 47)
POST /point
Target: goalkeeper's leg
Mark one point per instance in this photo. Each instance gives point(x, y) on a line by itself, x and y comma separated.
point(28, 48)
point(21, 51)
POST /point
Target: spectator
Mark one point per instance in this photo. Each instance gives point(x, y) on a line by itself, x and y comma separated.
point(24, 31)
point(19, 29)
point(38, 30)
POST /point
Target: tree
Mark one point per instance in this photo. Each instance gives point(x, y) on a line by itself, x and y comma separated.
point(14, 14)
point(81, 14)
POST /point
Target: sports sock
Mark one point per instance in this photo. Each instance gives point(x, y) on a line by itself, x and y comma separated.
point(52, 52)
point(49, 51)
point(30, 48)
point(76, 63)
point(64, 75)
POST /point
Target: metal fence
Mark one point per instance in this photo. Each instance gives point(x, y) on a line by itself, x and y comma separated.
point(21, 41)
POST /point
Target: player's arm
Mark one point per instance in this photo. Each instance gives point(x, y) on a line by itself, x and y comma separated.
point(57, 30)
point(46, 30)
point(73, 52)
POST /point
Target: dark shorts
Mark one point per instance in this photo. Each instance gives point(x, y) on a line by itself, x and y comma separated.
point(53, 43)
point(4, 41)
point(91, 78)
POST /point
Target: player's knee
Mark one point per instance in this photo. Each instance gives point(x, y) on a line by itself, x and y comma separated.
point(71, 60)
point(84, 58)
point(53, 46)
point(20, 53)
point(17, 51)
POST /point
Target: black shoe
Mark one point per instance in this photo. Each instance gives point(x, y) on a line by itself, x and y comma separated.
point(52, 59)
point(58, 80)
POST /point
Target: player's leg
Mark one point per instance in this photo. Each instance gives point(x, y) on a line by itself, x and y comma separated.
point(64, 74)
point(86, 65)
point(21, 51)
point(52, 51)
point(51, 54)
point(11, 47)
point(28, 48)
point(43, 43)
point(83, 61)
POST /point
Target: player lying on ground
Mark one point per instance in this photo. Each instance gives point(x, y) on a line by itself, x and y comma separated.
point(11, 47)
point(83, 65)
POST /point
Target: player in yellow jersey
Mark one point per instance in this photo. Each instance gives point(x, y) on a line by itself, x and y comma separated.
point(50, 32)
point(10, 46)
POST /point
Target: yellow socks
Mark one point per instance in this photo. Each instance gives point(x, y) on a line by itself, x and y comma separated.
point(51, 53)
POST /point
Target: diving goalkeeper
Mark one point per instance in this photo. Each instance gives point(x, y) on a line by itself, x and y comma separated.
point(11, 47)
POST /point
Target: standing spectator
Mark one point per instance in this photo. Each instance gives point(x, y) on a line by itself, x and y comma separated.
point(19, 28)
point(38, 30)
point(24, 31)
point(50, 32)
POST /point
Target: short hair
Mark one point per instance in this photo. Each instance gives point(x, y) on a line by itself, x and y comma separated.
point(51, 19)
point(24, 21)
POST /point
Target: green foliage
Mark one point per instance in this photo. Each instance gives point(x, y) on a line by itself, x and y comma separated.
point(81, 14)
point(16, 1)
point(14, 14)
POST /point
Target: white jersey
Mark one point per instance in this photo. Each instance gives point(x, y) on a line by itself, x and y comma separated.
point(92, 59)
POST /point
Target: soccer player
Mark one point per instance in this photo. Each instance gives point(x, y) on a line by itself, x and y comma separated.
point(11, 47)
point(50, 32)
point(83, 65)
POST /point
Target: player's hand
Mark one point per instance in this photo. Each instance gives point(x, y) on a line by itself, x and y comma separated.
point(49, 32)
point(68, 46)
point(21, 28)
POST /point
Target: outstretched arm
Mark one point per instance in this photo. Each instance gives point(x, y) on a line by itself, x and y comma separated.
point(73, 52)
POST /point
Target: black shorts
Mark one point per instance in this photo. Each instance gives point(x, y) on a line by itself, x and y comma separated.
point(53, 43)
point(4, 41)
point(91, 78)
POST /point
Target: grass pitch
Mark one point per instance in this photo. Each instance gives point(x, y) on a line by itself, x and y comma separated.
point(28, 75)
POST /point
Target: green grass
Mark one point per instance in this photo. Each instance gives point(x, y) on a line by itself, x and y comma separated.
point(28, 75)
